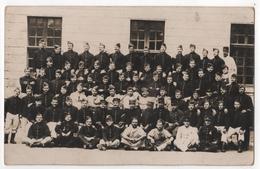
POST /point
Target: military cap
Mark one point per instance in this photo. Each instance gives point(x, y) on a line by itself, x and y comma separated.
point(162, 88)
point(69, 42)
point(178, 65)
point(41, 40)
point(225, 48)
point(130, 45)
point(155, 73)
point(56, 46)
point(49, 59)
point(180, 46)
point(129, 63)
point(109, 118)
point(192, 45)
point(118, 45)
point(38, 98)
point(186, 119)
point(58, 71)
point(205, 50)
point(207, 118)
point(116, 99)
point(144, 89)
point(111, 87)
point(242, 86)
point(81, 63)
point(105, 76)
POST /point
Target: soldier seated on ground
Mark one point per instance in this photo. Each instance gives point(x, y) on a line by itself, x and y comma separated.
point(88, 134)
point(110, 135)
point(66, 132)
point(159, 139)
point(39, 133)
point(187, 137)
point(133, 137)
point(208, 136)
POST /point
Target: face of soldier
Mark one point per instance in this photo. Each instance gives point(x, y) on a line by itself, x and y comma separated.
point(86, 47)
point(206, 105)
point(147, 67)
point(134, 123)
point(63, 90)
point(28, 91)
point(112, 66)
point(16, 92)
point(130, 92)
point(192, 64)
point(225, 53)
point(73, 79)
point(210, 69)
point(67, 66)
point(27, 72)
point(195, 95)
point(68, 117)
point(57, 50)
point(178, 69)
point(42, 44)
point(88, 122)
point(112, 92)
point(215, 53)
point(145, 93)
point(45, 89)
point(185, 77)
point(162, 49)
point(128, 68)
point(68, 102)
point(121, 77)
point(233, 79)
point(186, 123)
point(109, 122)
point(116, 104)
point(162, 92)
point(225, 70)
point(89, 79)
point(101, 48)
point(70, 46)
point(236, 105)
point(38, 118)
point(117, 49)
point(204, 53)
point(218, 77)
point(57, 75)
point(131, 49)
point(103, 105)
point(84, 103)
point(169, 80)
point(155, 78)
point(79, 88)
point(96, 66)
point(179, 50)
point(135, 78)
point(159, 126)
point(94, 92)
point(207, 122)
point(192, 49)
point(220, 106)
point(49, 63)
point(200, 73)
point(191, 106)
point(177, 95)
point(54, 103)
point(42, 72)
point(241, 90)
point(159, 69)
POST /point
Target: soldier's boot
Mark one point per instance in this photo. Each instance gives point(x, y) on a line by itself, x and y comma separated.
point(6, 138)
point(223, 147)
point(12, 138)
point(240, 146)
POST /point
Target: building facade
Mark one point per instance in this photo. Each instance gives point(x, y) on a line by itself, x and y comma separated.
point(207, 27)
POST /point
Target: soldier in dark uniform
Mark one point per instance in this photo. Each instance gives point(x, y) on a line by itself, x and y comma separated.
point(160, 112)
point(57, 82)
point(81, 72)
point(129, 72)
point(103, 87)
point(136, 83)
point(58, 58)
point(83, 113)
point(233, 87)
point(117, 114)
point(27, 103)
point(96, 73)
point(88, 134)
point(40, 56)
point(71, 56)
point(177, 75)
point(112, 74)
point(99, 114)
point(102, 57)
point(62, 96)
point(13, 106)
point(201, 83)
point(110, 136)
point(39, 133)
point(218, 82)
point(217, 62)
point(46, 95)
point(193, 55)
point(50, 69)
point(155, 85)
point(72, 84)
point(193, 70)
point(147, 117)
point(66, 71)
point(40, 80)
point(180, 58)
point(121, 85)
point(225, 97)
point(178, 101)
point(208, 136)
point(163, 59)
point(205, 60)
point(36, 108)
point(118, 58)
point(146, 75)
point(196, 117)
point(133, 58)
point(87, 57)
point(66, 132)
point(186, 86)
point(209, 75)
point(69, 108)
point(146, 58)
point(27, 80)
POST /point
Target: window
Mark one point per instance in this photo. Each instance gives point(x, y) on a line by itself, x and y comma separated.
point(47, 28)
point(147, 33)
point(242, 49)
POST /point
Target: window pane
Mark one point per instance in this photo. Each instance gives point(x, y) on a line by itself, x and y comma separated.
point(50, 42)
point(240, 79)
point(241, 39)
point(134, 43)
point(39, 31)
point(239, 61)
point(31, 41)
point(32, 32)
point(141, 45)
point(152, 36)
point(40, 22)
point(159, 36)
point(57, 33)
point(249, 71)
point(57, 23)
point(152, 45)
point(50, 23)
point(158, 45)
point(32, 21)
point(249, 80)
point(249, 61)
point(50, 32)
point(38, 39)
point(234, 39)
point(141, 35)
point(240, 70)
point(251, 40)
point(134, 35)
point(57, 41)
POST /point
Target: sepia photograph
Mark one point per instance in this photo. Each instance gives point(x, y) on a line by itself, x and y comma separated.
point(129, 85)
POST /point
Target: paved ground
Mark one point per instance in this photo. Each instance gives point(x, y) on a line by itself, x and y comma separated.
point(21, 154)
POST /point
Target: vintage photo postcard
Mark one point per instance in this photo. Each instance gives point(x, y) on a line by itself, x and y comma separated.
point(149, 85)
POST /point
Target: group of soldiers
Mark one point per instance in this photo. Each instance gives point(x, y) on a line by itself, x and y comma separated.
point(136, 101)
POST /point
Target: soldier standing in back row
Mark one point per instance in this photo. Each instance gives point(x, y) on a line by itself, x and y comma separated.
point(71, 56)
